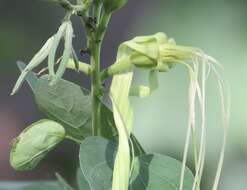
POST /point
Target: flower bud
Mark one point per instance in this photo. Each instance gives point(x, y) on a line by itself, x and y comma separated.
point(113, 5)
point(32, 145)
point(142, 61)
point(156, 52)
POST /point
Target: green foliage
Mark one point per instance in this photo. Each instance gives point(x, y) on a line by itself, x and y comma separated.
point(82, 183)
point(66, 103)
point(150, 172)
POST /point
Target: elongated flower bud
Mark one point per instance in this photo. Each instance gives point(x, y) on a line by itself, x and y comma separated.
point(57, 38)
point(113, 5)
point(32, 145)
point(36, 60)
point(67, 53)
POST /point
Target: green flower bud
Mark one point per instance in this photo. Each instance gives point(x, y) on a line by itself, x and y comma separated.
point(156, 52)
point(32, 145)
point(113, 5)
point(142, 61)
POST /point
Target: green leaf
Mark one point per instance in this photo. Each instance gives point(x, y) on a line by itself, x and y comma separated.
point(96, 161)
point(31, 77)
point(151, 171)
point(32, 145)
point(75, 128)
point(55, 101)
point(81, 181)
point(159, 172)
point(66, 103)
point(29, 186)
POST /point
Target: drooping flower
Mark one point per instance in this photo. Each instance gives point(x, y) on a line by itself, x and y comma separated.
point(158, 53)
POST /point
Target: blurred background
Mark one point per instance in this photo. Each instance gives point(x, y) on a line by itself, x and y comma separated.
point(217, 26)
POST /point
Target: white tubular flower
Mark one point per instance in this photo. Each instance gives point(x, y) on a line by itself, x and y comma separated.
point(158, 53)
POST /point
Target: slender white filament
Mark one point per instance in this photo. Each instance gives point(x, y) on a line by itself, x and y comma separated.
point(191, 123)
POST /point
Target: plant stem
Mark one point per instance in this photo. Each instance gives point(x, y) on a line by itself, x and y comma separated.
point(96, 88)
point(95, 42)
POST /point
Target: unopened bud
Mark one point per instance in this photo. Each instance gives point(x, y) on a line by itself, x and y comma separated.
point(32, 145)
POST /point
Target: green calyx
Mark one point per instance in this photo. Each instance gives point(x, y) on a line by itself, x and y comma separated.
point(113, 5)
point(32, 145)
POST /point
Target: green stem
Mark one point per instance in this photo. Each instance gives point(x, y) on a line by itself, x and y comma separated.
point(96, 88)
point(95, 43)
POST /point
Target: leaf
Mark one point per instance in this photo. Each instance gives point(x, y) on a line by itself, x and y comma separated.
point(151, 171)
point(29, 186)
point(96, 161)
point(55, 100)
point(159, 172)
point(65, 102)
point(31, 77)
point(107, 120)
point(81, 181)
point(32, 145)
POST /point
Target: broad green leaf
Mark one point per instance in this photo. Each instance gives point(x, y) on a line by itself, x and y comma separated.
point(55, 101)
point(66, 103)
point(29, 186)
point(150, 172)
point(32, 145)
point(159, 172)
point(81, 181)
point(96, 161)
